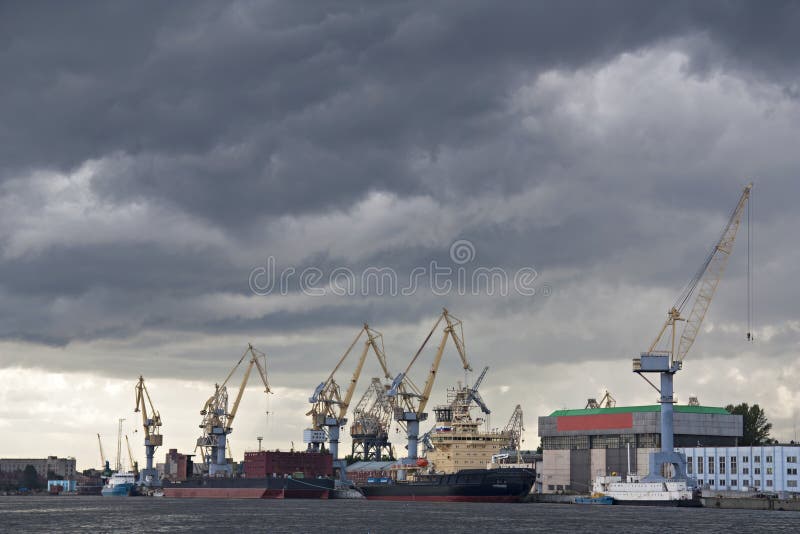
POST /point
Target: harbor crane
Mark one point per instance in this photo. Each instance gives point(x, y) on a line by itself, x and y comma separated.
point(513, 431)
point(104, 461)
point(372, 419)
point(102, 454)
point(118, 463)
point(218, 421)
point(134, 465)
point(151, 423)
point(329, 406)
point(667, 352)
point(410, 401)
point(607, 401)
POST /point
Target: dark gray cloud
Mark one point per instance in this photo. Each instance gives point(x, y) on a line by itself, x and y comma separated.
point(152, 156)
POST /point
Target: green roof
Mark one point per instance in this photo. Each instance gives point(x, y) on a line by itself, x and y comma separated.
point(651, 408)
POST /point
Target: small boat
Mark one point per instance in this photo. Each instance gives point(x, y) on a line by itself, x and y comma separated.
point(595, 499)
point(119, 485)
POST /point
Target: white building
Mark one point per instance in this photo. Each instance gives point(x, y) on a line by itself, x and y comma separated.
point(767, 468)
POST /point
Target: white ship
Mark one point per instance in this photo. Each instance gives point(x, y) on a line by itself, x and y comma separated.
point(635, 491)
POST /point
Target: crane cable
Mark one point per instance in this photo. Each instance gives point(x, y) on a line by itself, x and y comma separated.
point(750, 336)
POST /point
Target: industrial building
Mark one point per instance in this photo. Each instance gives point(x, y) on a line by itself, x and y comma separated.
point(578, 445)
point(63, 468)
point(766, 468)
point(177, 466)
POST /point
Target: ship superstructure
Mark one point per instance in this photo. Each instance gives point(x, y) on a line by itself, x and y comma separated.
point(457, 439)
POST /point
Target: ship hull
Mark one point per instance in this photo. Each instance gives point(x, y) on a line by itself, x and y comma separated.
point(249, 488)
point(120, 490)
point(473, 485)
point(683, 503)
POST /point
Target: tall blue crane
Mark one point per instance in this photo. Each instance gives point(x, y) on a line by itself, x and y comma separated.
point(667, 352)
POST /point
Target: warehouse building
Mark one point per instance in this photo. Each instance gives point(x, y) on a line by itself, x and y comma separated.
point(766, 468)
point(578, 445)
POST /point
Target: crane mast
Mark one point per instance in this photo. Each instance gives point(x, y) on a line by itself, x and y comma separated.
point(410, 401)
point(329, 405)
point(218, 421)
point(151, 424)
point(667, 352)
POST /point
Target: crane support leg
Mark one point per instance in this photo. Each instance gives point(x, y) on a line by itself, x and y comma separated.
point(333, 437)
point(413, 438)
point(666, 401)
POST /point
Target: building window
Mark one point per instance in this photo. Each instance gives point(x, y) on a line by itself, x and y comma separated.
point(700, 480)
point(791, 483)
point(791, 470)
point(791, 459)
point(721, 465)
point(565, 442)
point(745, 459)
point(769, 459)
point(606, 442)
point(733, 465)
point(769, 483)
point(756, 470)
point(733, 482)
point(756, 459)
point(699, 466)
point(769, 470)
point(757, 483)
point(689, 465)
point(745, 470)
point(711, 482)
point(710, 465)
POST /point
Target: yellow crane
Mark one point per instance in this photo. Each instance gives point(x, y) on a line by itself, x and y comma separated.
point(133, 463)
point(218, 421)
point(410, 401)
point(329, 406)
point(102, 454)
point(151, 423)
point(667, 352)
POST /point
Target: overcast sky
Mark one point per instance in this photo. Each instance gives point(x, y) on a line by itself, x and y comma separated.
point(154, 156)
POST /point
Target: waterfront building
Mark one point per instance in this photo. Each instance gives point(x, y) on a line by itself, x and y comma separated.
point(766, 468)
point(63, 468)
point(578, 445)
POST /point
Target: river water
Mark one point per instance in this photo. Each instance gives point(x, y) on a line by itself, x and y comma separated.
point(99, 514)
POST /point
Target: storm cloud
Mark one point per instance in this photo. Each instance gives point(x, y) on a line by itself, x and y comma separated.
point(152, 155)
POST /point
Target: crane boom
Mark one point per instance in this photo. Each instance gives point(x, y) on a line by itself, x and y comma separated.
point(458, 341)
point(712, 272)
point(254, 362)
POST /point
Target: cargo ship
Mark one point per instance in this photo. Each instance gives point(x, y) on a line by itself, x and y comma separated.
point(266, 475)
point(466, 485)
point(250, 488)
point(119, 485)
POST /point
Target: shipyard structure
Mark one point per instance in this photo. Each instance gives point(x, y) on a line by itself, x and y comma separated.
point(579, 445)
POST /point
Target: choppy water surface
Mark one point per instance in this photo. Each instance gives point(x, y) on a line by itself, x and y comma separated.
point(50, 514)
